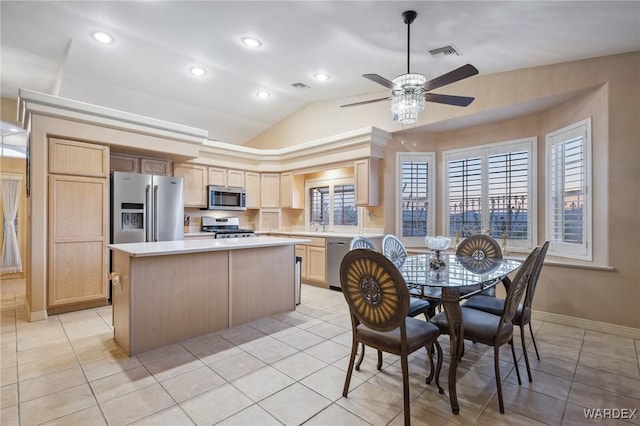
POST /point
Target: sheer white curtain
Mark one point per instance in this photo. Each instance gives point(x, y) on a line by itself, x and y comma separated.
point(10, 261)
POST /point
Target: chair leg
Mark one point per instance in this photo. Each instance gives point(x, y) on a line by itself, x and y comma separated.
point(515, 361)
point(360, 358)
point(432, 371)
point(526, 355)
point(439, 366)
point(405, 388)
point(534, 341)
point(379, 360)
point(496, 366)
point(354, 349)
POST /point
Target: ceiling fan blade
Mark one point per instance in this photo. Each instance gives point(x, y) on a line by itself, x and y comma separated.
point(380, 80)
point(366, 102)
point(461, 73)
point(462, 101)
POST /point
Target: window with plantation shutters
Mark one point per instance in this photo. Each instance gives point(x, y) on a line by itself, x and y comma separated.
point(344, 205)
point(332, 204)
point(489, 189)
point(568, 195)
point(415, 217)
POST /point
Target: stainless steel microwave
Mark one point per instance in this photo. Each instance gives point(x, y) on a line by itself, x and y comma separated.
point(224, 198)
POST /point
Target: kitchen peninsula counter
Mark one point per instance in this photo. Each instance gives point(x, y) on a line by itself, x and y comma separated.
point(165, 292)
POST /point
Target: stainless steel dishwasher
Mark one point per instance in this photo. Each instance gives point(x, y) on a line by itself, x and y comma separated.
point(336, 249)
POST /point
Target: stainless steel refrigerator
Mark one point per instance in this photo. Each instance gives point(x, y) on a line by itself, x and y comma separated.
point(146, 208)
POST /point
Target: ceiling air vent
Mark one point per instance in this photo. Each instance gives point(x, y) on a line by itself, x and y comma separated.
point(445, 51)
point(301, 85)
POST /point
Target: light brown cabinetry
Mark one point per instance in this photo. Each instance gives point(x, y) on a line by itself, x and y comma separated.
point(270, 190)
point(314, 260)
point(124, 163)
point(366, 179)
point(235, 178)
point(78, 236)
point(156, 167)
point(252, 188)
point(217, 176)
point(195, 183)
point(291, 191)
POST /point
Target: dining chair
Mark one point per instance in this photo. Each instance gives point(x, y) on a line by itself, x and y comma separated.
point(522, 317)
point(361, 242)
point(417, 306)
point(378, 300)
point(493, 330)
point(480, 247)
point(393, 249)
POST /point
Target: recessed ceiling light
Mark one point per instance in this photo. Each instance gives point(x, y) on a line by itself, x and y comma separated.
point(251, 42)
point(263, 94)
point(198, 71)
point(322, 76)
point(102, 37)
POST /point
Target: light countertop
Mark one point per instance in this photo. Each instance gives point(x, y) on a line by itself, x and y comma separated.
point(161, 248)
point(321, 234)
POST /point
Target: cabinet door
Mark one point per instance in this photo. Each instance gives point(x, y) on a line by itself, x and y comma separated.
point(286, 183)
point(252, 187)
point(195, 183)
point(302, 252)
point(366, 180)
point(270, 190)
point(78, 238)
point(124, 163)
point(155, 167)
point(78, 158)
point(317, 264)
point(235, 178)
point(217, 176)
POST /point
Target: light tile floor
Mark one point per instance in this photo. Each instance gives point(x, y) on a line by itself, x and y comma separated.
point(290, 369)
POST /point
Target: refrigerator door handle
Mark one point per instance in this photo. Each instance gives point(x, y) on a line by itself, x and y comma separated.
point(155, 212)
point(147, 213)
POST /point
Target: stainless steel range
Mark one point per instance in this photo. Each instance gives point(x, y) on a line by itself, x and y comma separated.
point(225, 227)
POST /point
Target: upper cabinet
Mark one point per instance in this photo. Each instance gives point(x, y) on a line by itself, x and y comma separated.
point(291, 191)
point(270, 190)
point(224, 177)
point(152, 166)
point(78, 158)
point(252, 187)
point(366, 179)
point(217, 176)
point(235, 178)
point(195, 183)
point(124, 163)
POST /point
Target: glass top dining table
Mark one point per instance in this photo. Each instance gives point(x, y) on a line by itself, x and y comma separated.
point(461, 278)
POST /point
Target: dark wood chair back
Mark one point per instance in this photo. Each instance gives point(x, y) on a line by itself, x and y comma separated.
point(479, 246)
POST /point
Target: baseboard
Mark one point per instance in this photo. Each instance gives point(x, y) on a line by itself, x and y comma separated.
point(603, 327)
point(34, 316)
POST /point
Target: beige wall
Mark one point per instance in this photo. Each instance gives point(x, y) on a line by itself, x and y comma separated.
point(605, 89)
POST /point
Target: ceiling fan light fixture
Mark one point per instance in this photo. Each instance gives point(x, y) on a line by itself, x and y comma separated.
point(408, 99)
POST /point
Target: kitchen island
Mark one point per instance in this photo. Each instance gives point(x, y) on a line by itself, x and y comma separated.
point(168, 291)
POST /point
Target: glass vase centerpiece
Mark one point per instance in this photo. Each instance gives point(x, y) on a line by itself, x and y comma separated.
point(438, 245)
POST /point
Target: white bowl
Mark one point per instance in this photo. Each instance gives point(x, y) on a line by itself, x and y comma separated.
point(438, 243)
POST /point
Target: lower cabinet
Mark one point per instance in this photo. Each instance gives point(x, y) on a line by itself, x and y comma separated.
point(314, 260)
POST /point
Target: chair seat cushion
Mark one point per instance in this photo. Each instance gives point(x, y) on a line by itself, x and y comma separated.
point(478, 326)
point(418, 306)
point(419, 333)
point(495, 306)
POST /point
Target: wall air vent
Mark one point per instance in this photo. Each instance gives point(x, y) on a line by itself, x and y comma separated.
point(445, 51)
point(301, 85)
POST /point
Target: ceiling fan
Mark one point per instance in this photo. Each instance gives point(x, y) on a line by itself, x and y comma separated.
point(410, 91)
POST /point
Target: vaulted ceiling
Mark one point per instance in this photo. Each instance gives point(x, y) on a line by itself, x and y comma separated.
point(47, 47)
